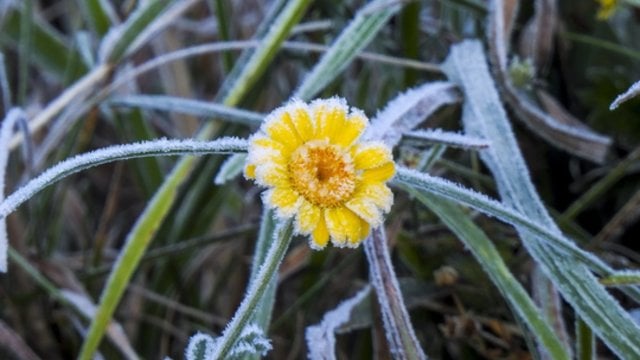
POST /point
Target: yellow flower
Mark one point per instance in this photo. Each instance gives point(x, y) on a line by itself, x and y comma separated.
point(309, 158)
point(607, 8)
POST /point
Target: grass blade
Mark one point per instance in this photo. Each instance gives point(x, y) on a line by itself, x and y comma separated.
point(362, 29)
point(188, 106)
point(485, 117)
point(487, 255)
point(402, 339)
point(81, 162)
point(158, 208)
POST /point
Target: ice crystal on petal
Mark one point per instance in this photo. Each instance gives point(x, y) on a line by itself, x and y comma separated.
point(309, 158)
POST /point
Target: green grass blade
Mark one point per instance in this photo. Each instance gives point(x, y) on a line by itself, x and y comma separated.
point(135, 246)
point(50, 50)
point(188, 106)
point(585, 341)
point(158, 208)
point(262, 281)
point(100, 15)
point(484, 116)
point(106, 155)
point(355, 37)
point(266, 236)
point(116, 44)
point(269, 46)
point(487, 255)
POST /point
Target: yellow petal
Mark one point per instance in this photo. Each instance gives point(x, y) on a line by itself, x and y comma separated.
point(263, 143)
point(284, 200)
point(320, 235)
point(279, 129)
point(272, 174)
point(379, 174)
point(330, 115)
point(308, 218)
point(365, 228)
point(371, 155)
point(351, 223)
point(352, 129)
point(302, 121)
point(365, 209)
point(259, 154)
point(379, 194)
point(250, 171)
point(343, 225)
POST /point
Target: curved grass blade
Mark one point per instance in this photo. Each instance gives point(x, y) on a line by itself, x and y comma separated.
point(137, 242)
point(162, 147)
point(484, 116)
point(487, 255)
point(321, 340)
point(158, 208)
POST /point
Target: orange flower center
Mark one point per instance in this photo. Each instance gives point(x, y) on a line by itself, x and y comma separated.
point(323, 173)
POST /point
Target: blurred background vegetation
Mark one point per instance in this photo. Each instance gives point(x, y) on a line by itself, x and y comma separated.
point(195, 271)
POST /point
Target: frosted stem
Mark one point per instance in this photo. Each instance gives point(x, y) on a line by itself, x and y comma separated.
point(257, 288)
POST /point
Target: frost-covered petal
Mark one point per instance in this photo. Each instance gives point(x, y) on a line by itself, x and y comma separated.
point(259, 154)
point(343, 225)
point(379, 194)
point(370, 155)
point(263, 143)
point(330, 116)
point(365, 209)
point(272, 174)
point(250, 171)
point(320, 235)
point(280, 130)
point(352, 129)
point(285, 201)
point(334, 225)
point(379, 174)
point(301, 118)
point(308, 218)
point(365, 229)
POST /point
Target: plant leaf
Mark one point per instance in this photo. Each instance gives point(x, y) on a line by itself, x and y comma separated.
point(355, 37)
point(484, 116)
point(321, 340)
point(408, 110)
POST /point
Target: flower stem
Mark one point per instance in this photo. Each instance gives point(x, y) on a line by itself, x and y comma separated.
point(256, 290)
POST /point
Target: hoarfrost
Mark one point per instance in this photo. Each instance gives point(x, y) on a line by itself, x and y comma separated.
point(321, 339)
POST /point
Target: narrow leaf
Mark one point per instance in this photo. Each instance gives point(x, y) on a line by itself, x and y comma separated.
point(6, 131)
point(487, 255)
point(403, 343)
point(321, 339)
point(409, 109)
point(162, 147)
point(188, 106)
point(355, 37)
point(632, 92)
point(447, 138)
point(484, 116)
